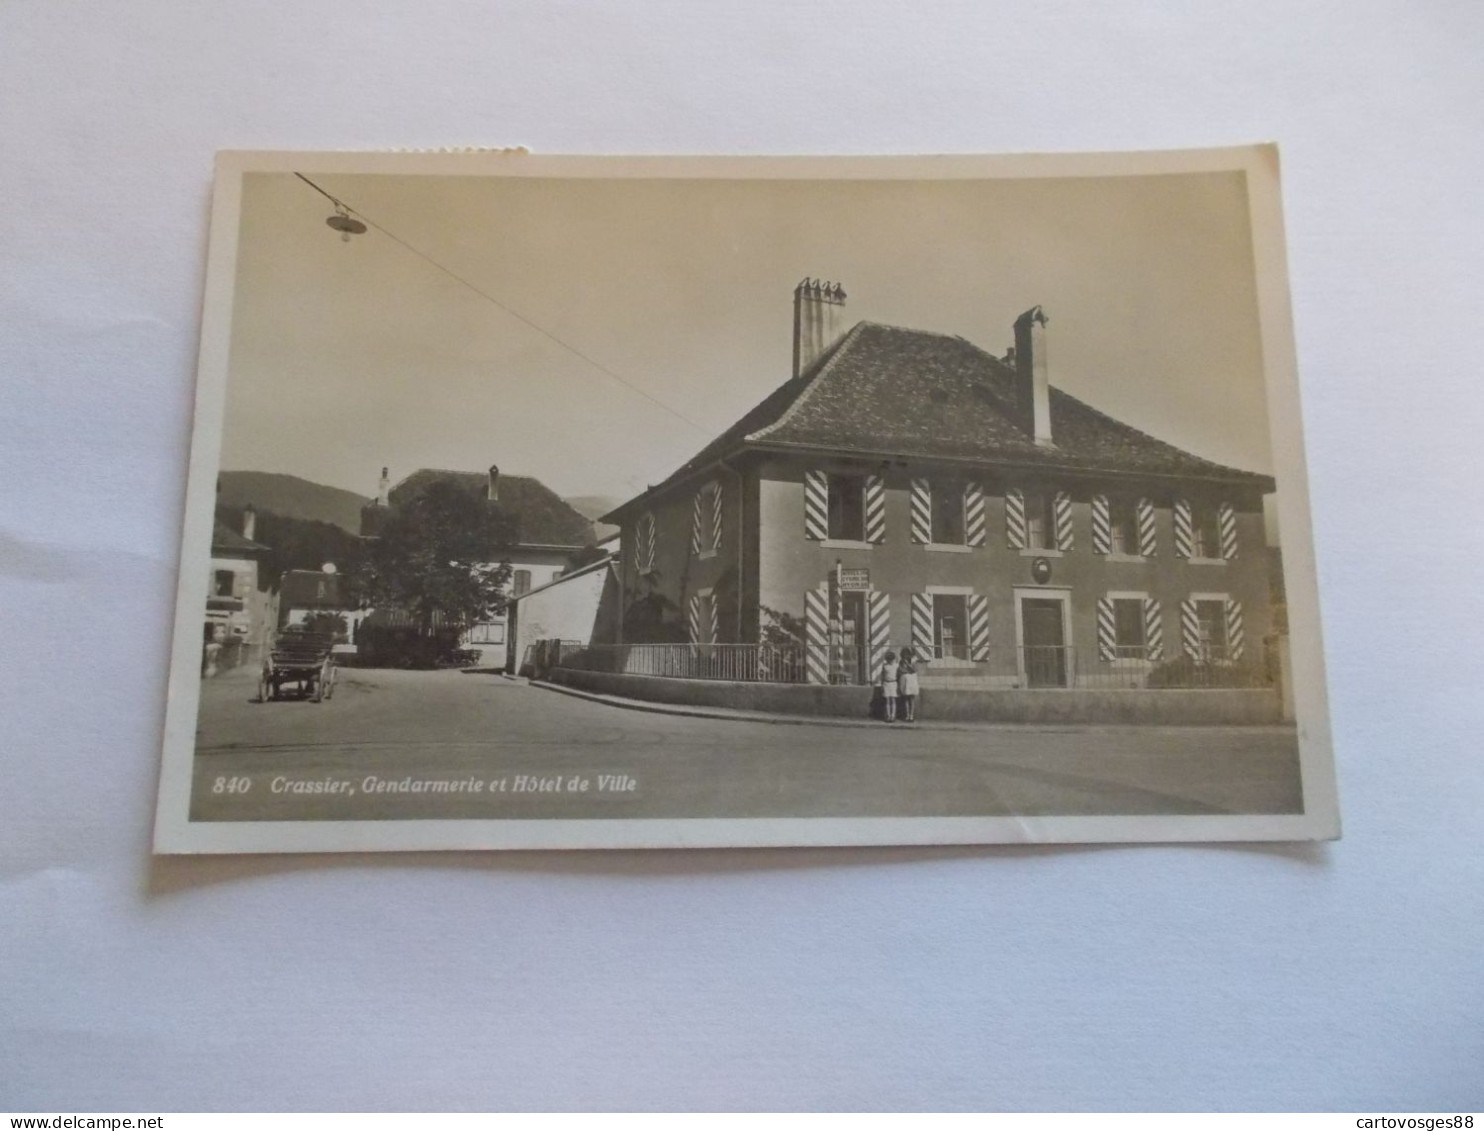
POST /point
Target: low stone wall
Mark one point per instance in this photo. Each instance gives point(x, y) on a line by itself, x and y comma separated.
point(1213, 707)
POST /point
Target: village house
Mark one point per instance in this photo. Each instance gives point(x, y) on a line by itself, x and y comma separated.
point(551, 531)
point(239, 615)
point(910, 487)
point(578, 608)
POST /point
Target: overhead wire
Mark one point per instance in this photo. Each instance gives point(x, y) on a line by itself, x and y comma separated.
point(452, 274)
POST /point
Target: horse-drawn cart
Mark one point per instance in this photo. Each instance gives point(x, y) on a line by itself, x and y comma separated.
point(303, 661)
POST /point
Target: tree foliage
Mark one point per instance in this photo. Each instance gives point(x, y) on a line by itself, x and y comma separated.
point(437, 556)
point(299, 543)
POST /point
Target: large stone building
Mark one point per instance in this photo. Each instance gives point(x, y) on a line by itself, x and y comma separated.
point(910, 487)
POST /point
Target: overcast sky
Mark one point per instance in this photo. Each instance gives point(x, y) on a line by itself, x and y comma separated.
point(350, 356)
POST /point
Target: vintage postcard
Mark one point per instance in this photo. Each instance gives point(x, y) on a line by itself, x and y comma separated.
point(565, 502)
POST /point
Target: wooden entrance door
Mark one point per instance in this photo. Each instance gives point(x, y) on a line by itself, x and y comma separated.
point(852, 659)
point(1044, 641)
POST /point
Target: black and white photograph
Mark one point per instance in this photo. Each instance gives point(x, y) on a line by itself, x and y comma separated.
point(580, 503)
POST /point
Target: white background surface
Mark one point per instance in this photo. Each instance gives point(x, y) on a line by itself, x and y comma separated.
point(1341, 976)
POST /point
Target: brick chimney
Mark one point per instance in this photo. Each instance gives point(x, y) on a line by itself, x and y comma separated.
point(492, 491)
point(249, 522)
point(817, 306)
point(383, 488)
point(1032, 380)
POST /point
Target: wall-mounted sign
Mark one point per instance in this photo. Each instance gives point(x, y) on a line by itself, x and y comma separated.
point(1041, 571)
point(855, 580)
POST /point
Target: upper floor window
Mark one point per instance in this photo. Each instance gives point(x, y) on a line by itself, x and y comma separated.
point(847, 508)
point(947, 513)
point(520, 582)
point(222, 583)
point(1205, 531)
point(1123, 527)
point(1040, 520)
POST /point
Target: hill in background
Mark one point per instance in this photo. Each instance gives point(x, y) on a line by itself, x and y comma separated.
point(291, 497)
point(592, 506)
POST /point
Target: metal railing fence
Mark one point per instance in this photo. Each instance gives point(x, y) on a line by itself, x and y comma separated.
point(1033, 666)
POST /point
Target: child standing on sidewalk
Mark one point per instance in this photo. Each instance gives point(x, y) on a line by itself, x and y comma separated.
point(889, 685)
point(908, 681)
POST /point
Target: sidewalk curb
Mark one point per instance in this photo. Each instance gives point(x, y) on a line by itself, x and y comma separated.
point(740, 716)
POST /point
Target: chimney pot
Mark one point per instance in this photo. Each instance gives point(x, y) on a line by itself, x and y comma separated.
point(383, 488)
point(492, 493)
point(816, 306)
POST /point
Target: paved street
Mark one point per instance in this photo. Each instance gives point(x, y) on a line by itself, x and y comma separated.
point(401, 744)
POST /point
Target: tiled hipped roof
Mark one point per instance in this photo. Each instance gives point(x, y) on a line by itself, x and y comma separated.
point(225, 540)
point(545, 518)
point(890, 391)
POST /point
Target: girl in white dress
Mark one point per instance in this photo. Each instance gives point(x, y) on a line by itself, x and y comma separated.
point(907, 684)
point(889, 685)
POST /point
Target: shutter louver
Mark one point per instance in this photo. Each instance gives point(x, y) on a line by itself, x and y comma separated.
point(1102, 526)
point(1107, 630)
point(875, 509)
point(816, 636)
point(1234, 632)
point(1184, 530)
point(816, 505)
point(922, 625)
point(1062, 508)
point(1147, 537)
point(978, 628)
point(1227, 520)
point(974, 525)
point(1015, 535)
point(922, 511)
point(1154, 629)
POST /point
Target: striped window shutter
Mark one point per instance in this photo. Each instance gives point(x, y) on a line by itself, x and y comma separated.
point(1102, 527)
point(816, 636)
point(816, 505)
point(922, 511)
point(696, 519)
point(1190, 629)
point(1015, 519)
point(715, 493)
point(1107, 630)
point(875, 508)
point(693, 619)
point(1184, 532)
point(1062, 506)
point(1154, 629)
point(1227, 519)
point(978, 627)
point(922, 624)
point(878, 611)
point(1148, 542)
point(1234, 632)
point(644, 544)
point(974, 527)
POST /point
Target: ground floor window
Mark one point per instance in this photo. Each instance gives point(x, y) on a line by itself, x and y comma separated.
point(1129, 641)
point(1210, 618)
point(950, 627)
point(491, 632)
